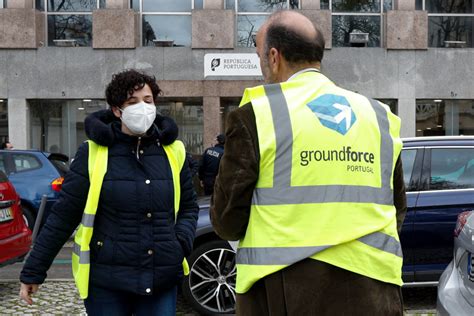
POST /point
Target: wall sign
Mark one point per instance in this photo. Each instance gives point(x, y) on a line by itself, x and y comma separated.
point(231, 65)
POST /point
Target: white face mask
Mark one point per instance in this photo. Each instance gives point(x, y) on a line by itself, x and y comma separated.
point(139, 117)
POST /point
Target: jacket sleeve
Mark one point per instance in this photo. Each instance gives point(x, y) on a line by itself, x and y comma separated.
point(237, 177)
point(65, 216)
point(186, 220)
point(399, 194)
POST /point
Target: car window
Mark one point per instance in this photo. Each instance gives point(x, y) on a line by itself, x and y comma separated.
point(3, 177)
point(60, 165)
point(25, 162)
point(2, 164)
point(452, 168)
point(408, 161)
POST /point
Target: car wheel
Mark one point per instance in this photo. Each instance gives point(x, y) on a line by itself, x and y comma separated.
point(28, 217)
point(210, 285)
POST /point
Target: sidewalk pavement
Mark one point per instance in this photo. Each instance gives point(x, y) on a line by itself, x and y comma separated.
point(59, 297)
point(55, 297)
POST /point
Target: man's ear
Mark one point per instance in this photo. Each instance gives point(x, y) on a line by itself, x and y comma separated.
point(274, 59)
point(116, 111)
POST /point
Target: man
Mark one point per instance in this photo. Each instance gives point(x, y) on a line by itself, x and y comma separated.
point(312, 184)
point(6, 145)
point(210, 164)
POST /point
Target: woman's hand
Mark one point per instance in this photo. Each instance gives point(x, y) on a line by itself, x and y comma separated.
point(26, 290)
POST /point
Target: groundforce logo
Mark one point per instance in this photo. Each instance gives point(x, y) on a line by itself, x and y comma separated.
point(355, 158)
point(334, 112)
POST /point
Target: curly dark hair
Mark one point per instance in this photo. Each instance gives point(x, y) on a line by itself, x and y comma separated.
point(125, 83)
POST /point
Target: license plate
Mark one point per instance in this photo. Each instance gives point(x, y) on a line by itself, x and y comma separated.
point(6, 214)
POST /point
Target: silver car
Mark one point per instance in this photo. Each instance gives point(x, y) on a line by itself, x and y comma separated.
point(456, 285)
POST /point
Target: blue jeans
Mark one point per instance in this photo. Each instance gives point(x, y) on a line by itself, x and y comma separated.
point(104, 302)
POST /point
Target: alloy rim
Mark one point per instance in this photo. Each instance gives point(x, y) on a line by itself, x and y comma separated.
point(212, 280)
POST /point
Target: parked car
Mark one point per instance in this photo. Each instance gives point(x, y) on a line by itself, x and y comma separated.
point(34, 173)
point(15, 237)
point(456, 285)
point(439, 176)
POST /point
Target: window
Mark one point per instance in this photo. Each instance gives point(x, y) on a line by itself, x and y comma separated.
point(3, 120)
point(25, 162)
point(450, 22)
point(452, 168)
point(60, 165)
point(250, 15)
point(227, 106)
point(57, 126)
point(69, 22)
point(444, 117)
point(408, 161)
point(392, 103)
point(357, 23)
point(188, 114)
point(167, 23)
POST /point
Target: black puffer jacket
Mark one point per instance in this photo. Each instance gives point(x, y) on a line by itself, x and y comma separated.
point(136, 245)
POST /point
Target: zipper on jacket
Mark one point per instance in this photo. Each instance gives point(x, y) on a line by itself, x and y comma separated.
point(138, 148)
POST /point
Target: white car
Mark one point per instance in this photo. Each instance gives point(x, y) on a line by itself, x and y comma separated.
point(456, 285)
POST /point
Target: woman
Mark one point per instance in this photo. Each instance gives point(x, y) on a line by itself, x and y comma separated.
point(138, 245)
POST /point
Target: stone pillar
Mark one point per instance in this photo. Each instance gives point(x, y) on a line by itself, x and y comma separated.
point(310, 4)
point(213, 4)
point(212, 120)
point(407, 112)
point(115, 27)
point(406, 28)
point(404, 5)
point(21, 26)
point(18, 123)
point(20, 4)
point(213, 29)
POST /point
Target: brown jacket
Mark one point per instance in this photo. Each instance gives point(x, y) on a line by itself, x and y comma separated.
point(303, 288)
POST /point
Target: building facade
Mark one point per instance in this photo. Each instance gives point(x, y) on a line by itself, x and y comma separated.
point(56, 56)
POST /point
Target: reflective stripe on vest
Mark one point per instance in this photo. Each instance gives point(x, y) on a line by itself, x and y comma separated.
point(97, 165)
point(259, 255)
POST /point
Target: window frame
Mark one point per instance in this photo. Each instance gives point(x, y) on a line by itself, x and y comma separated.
point(379, 13)
point(426, 172)
point(252, 13)
point(48, 13)
point(415, 182)
point(158, 13)
point(439, 14)
point(13, 164)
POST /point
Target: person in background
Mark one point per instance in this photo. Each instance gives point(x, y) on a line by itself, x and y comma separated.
point(6, 145)
point(141, 233)
point(210, 164)
point(311, 182)
point(192, 164)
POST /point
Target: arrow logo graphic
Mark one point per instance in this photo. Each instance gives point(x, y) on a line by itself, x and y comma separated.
point(334, 112)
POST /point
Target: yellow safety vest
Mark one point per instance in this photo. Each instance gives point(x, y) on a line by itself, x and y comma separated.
point(325, 186)
point(97, 162)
